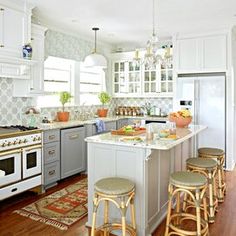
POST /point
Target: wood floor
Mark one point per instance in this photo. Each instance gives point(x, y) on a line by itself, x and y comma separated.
point(13, 224)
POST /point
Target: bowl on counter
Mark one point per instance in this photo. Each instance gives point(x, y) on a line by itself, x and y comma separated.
point(164, 133)
point(181, 122)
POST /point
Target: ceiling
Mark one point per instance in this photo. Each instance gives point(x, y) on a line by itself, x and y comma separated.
point(128, 23)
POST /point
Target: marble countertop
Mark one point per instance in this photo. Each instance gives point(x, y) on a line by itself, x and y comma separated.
point(157, 143)
point(73, 123)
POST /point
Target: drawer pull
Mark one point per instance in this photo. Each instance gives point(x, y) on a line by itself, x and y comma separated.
point(74, 136)
point(51, 152)
point(52, 172)
point(2, 9)
point(14, 189)
point(1, 46)
point(51, 136)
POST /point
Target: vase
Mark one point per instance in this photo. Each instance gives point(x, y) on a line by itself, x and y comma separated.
point(63, 115)
point(102, 112)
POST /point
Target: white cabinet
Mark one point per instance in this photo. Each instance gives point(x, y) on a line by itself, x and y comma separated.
point(132, 80)
point(37, 42)
point(34, 85)
point(13, 31)
point(126, 78)
point(202, 54)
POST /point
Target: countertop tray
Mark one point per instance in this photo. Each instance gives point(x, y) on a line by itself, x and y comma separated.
point(122, 132)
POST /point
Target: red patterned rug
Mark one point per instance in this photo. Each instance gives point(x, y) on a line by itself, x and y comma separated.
point(60, 209)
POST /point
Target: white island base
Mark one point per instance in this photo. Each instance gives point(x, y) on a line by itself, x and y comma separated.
point(148, 165)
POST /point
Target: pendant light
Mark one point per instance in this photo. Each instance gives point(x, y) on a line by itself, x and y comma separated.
point(95, 59)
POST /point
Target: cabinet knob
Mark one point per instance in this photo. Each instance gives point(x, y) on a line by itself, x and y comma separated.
point(1, 46)
point(2, 9)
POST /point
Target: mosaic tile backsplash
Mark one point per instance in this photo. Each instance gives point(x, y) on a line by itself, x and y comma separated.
point(12, 109)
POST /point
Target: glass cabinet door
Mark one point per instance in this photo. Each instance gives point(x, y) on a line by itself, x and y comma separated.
point(119, 77)
point(150, 80)
point(166, 81)
point(134, 78)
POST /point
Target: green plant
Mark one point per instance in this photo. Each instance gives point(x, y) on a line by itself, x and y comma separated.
point(64, 98)
point(104, 98)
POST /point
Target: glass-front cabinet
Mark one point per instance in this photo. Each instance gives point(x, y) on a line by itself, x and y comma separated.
point(131, 79)
point(126, 78)
point(150, 82)
point(166, 82)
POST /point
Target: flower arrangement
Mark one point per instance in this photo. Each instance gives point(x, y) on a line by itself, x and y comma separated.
point(182, 118)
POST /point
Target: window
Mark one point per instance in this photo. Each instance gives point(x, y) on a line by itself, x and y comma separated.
point(67, 75)
point(92, 82)
point(58, 77)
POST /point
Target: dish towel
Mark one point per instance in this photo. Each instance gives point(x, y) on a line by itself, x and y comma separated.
point(100, 125)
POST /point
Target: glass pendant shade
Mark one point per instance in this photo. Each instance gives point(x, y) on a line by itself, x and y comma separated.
point(95, 59)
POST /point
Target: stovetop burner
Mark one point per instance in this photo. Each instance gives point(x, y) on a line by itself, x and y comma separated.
point(18, 128)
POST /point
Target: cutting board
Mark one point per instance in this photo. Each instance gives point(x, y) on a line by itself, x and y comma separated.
point(122, 132)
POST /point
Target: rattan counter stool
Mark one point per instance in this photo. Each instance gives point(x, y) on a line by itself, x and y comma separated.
point(120, 192)
point(219, 156)
point(208, 168)
point(194, 185)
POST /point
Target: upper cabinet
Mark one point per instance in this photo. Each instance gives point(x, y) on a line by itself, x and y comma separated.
point(14, 32)
point(131, 80)
point(126, 78)
point(34, 85)
point(201, 54)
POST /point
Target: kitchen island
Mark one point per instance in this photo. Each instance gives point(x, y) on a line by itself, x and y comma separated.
point(147, 163)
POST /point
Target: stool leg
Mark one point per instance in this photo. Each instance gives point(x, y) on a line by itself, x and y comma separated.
point(220, 187)
point(185, 202)
point(170, 190)
point(211, 199)
point(215, 193)
point(95, 206)
point(133, 213)
point(177, 207)
point(123, 220)
point(205, 209)
point(106, 211)
point(198, 215)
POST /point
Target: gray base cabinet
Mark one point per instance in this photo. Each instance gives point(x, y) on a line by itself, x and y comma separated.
point(72, 151)
point(51, 154)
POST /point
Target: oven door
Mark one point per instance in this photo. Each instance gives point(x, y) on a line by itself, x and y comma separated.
point(10, 166)
point(32, 161)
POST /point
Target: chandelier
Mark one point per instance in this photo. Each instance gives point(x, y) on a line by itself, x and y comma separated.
point(152, 57)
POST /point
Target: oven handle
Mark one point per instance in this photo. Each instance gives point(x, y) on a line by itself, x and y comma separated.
point(32, 148)
point(10, 152)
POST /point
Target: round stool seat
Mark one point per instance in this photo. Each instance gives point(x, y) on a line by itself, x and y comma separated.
point(202, 163)
point(188, 179)
point(114, 186)
point(211, 151)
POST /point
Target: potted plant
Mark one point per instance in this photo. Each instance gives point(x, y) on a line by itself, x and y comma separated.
point(64, 98)
point(104, 99)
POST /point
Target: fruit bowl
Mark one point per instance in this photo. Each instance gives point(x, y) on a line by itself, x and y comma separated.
point(181, 122)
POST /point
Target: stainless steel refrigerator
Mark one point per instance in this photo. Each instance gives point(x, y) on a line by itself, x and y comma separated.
point(205, 97)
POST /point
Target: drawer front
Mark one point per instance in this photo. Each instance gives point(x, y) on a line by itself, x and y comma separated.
point(51, 172)
point(51, 152)
point(20, 187)
point(51, 136)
